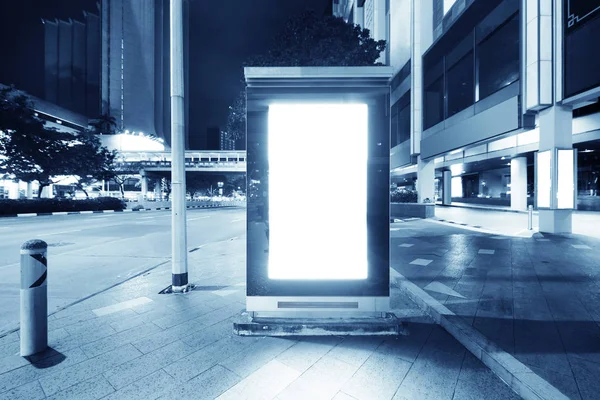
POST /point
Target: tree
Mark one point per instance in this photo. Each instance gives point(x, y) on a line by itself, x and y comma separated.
point(310, 40)
point(91, 161)
point(104, 124)
point(236, 120)
point(195, 184)
point(121, 180)
point(313, 40)
point(29, 151)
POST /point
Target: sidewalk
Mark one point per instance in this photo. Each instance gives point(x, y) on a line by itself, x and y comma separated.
point(530, 307)
point(132, 343)
point(513, 223)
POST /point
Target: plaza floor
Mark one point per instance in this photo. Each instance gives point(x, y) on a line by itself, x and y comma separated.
point(535, 301)
point(130, 342)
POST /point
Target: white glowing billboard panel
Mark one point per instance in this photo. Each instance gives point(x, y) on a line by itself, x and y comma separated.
point(566, 179)
point(544, 179)
point(314, 233)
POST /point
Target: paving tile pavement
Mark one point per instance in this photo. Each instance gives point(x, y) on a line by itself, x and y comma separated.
point(183, 346)
point(538, 300)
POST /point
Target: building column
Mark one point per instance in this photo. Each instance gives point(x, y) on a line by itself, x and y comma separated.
point(157, 191)
point(425, 180)
point(13, 190)
point(555, 132)
point(144, 186)
point(447, 188)
point(29, 190)
point(518, 183)
point(48, 192)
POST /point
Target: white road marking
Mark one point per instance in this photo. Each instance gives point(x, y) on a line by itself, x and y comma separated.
point(581, 246)
point(147, 217)
point(194, 219)
point(60, 233)
point(406, 245)
point(421, 261)
point(486, 251)
point(439, 287)
point(224, 292)
point(238, 219)
point(121, 306)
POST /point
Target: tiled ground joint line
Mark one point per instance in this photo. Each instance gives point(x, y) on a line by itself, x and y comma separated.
point(515, 374)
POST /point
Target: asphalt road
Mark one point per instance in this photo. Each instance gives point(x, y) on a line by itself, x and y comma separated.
point(91, 252)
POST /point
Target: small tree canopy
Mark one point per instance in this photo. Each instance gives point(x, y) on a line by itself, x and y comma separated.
point(310, 40)
point(90, 161)
point(30, 151)
point(313, 40)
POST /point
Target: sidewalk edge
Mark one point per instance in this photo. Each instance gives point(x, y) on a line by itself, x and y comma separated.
point(520, 378)
point(45, 214)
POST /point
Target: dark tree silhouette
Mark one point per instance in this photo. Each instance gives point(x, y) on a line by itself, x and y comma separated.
point(310, 40)
point(105, 124)
point(321, 41)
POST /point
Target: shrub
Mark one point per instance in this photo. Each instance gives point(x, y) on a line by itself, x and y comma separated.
point(24, 206)
point(404, 196)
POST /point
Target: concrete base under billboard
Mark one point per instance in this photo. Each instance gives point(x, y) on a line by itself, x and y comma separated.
point(386, 324)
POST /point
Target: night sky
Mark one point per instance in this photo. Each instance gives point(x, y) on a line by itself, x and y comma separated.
point(223, 33)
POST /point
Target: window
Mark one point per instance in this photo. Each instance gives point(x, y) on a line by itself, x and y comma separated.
point(498, 58)
point(404, 125)
point(401, 120)
point(433, 103)
point(460, 85)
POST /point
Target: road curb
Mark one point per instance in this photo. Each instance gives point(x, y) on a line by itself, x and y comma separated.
point(520, 378)
point(43, 214)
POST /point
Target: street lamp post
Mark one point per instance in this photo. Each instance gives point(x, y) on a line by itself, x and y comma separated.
point(178, 213)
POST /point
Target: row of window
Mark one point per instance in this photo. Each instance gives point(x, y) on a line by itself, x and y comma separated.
point(481, 69)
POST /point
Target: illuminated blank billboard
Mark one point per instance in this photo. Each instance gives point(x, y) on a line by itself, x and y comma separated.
point(316, 230)
point(544, 179)
point(566, 179)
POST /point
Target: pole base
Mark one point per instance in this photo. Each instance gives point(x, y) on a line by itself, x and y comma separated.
point(177, 289)
point(387, 325)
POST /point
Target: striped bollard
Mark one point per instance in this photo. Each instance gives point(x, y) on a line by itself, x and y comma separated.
point(34, 297)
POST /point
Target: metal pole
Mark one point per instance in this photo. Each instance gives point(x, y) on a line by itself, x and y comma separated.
point(530, 217)
point(34, 297)
point(178, 217)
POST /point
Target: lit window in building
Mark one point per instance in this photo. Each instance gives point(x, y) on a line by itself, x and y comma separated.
point(448, 5)
point(499, 58)
point(460, 84)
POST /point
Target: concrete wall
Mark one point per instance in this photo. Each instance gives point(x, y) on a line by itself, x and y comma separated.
point(416, 210)
point(400, 23)
point(475, 123)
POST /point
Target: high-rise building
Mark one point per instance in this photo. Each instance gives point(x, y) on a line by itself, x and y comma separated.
point(213, 138)
point(116, 63)
point(136, 65)
point(72, 64)
point(226, 143)
point(481, 89)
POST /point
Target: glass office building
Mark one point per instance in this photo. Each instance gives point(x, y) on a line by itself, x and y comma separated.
point(482, 86)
